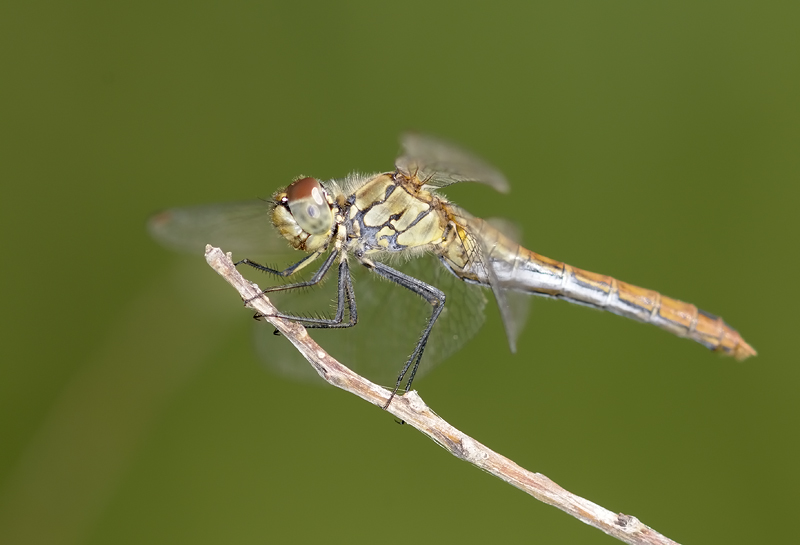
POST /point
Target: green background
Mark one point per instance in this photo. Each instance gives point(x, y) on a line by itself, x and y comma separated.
point(657, 142)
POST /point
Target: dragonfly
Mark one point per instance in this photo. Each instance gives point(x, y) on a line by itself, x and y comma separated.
point(396, 225)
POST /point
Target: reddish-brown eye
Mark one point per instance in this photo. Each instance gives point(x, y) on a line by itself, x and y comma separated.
point(309, 206)
point(302, 188)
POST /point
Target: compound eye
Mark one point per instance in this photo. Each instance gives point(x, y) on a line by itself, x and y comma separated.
point(309, 207)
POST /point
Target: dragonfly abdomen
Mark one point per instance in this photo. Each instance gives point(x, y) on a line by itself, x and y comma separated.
point(517, 268)
point(680, 318)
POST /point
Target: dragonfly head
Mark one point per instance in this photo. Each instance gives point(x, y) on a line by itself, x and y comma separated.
point(303, 214)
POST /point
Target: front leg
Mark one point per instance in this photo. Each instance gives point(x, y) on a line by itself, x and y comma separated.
point(345, 294)
point(288, 271)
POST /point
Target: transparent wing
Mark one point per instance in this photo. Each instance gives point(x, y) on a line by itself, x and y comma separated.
point(391, 319)
point(517, 305)
point(438, 164)
point(490, 259)
point(243, 228)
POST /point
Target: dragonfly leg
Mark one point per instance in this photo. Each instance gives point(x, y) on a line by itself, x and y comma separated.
point(345, 299)
point(288, 271)
point(434, 297)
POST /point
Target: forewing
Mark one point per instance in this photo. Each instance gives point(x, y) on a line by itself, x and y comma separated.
point(243, 228)
point(438, 164)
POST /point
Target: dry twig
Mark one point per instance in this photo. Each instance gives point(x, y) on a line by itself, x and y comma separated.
point(411, 409)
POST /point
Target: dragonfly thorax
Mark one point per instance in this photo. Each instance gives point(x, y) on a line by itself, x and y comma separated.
point(389, 213)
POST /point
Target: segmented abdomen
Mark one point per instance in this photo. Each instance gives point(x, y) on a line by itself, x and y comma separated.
point(607, 293)
point(517, 268)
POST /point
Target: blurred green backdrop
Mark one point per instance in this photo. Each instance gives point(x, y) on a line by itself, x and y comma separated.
point(657, 143)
